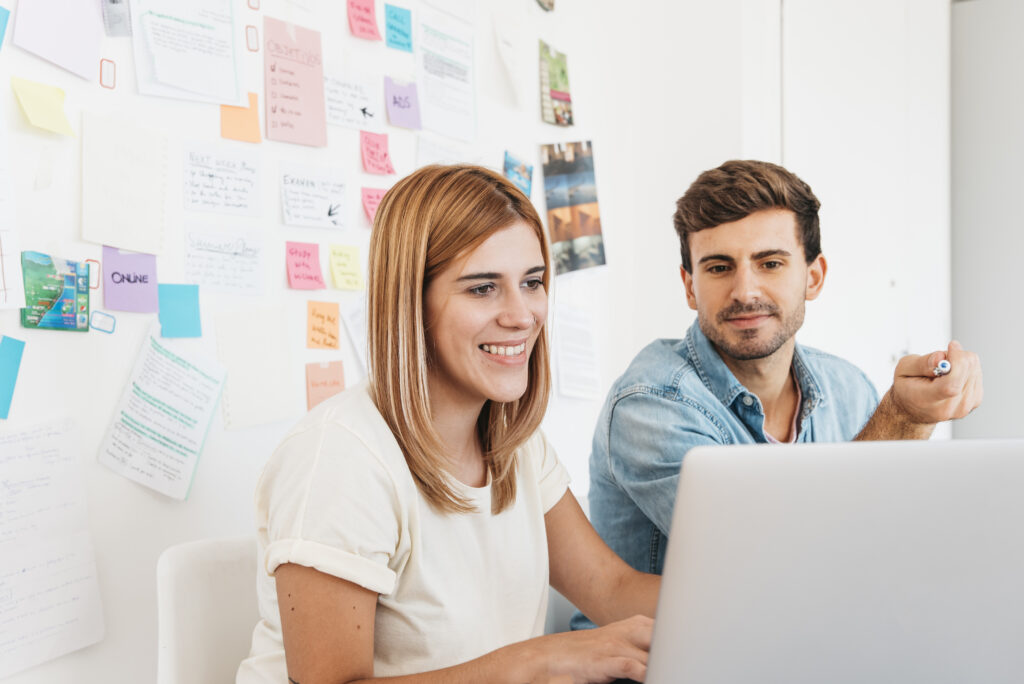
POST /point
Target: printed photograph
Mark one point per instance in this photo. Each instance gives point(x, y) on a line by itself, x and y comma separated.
point(574, 218)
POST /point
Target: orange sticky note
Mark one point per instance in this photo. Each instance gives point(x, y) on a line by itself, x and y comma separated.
point(322, 325)
point(303, 259)
point(376, 158)
point(241, 123)
point(323, 381)
point(371, 200)
point(362, 19)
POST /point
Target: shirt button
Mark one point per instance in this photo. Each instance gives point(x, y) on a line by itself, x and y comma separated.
point(748, 400)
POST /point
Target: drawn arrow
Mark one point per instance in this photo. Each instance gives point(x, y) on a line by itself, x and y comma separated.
point(332, 211)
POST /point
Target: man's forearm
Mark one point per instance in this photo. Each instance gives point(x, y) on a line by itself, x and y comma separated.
point(890, 422)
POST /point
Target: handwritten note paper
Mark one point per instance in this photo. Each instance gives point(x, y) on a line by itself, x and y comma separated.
point(123, 184)
point(43, 105)
point(312, 196)
point(322, 325)
point(398, 27)
point(49, 596)
point(362, 19)
point(224, 260)
point(129, 281)
point(323, 381)
point(345, 270)
point(294, 81)
point(179, 311)
point(371, 200)
point(161, 422)
point(241, 123)
point(303, 261)
point(376, 158)
point(221, 180)
point(10, 361)
point(354, 103)
point(403, 104)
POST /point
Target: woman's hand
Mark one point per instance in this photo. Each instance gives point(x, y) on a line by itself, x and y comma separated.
point(615, 651)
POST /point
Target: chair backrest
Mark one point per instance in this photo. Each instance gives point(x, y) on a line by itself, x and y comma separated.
point(206, 605)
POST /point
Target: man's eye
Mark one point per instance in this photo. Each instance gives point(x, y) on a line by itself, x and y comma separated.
point(772, 264)
point(482, 290)
point(718, 268)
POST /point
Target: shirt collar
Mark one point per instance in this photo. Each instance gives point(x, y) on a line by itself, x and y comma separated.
point(717, 377)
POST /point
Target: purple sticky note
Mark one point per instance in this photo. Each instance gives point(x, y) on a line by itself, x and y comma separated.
point(403, 104)
point(129, 281)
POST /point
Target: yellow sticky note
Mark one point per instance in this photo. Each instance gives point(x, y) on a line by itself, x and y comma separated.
point(42, 104)
point(241, 123)
point(345, 271)
point(322, 325)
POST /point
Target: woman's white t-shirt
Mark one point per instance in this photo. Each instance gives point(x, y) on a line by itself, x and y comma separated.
point(337, 496)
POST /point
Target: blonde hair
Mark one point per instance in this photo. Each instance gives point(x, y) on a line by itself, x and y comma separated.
point(424, 223)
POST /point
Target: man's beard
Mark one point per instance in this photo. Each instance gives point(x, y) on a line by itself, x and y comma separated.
point(749, 347)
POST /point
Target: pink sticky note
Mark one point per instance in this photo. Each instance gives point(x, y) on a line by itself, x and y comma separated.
point(303, 259)
point(371, 199)
point(294, 80)
point(362, 19)
point(376, 158)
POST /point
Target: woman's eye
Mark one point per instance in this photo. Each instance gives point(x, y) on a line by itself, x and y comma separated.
point(482, 290)
point(533, 284)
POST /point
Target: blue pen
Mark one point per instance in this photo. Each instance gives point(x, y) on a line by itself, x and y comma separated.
point(943, 368)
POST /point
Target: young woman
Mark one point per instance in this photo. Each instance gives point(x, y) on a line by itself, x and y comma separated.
point(411, 525)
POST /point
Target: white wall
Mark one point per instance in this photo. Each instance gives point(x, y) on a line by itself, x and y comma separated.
point(988, 144)
point(664, 89)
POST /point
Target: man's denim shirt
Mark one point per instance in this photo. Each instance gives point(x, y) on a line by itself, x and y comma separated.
point(678, 394)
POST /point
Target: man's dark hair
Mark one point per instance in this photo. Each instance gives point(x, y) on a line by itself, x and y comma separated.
point(737, 189)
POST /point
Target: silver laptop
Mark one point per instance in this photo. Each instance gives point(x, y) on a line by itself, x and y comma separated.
point(865, 562)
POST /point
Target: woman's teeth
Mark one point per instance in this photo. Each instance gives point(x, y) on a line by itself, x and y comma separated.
point(504, 351)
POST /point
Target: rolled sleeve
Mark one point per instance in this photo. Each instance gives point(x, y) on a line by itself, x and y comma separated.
point(327, 502)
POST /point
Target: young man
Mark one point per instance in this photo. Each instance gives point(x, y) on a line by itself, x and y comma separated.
point(751, 257)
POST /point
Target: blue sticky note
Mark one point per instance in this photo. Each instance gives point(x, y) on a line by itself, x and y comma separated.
point(398, 24)
point(4, 16)
point(179, 311)
point(10, 362)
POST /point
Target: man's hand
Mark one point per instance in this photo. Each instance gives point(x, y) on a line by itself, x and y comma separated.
point(918, 399)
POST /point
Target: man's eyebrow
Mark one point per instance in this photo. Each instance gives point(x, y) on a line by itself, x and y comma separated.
point(491, 275)
point(771, 252)
point(763, 254)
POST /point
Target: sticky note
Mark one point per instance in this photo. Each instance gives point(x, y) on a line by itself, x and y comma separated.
point(323, 381)
point(322, 325)
point(371, 200)
point(362, 19)
point(10, 361)
point(5, 14)
point(129, 281)
point(376, 158)
point(403, 104)
point(179, 311)
point(398, 27)
point(345, 271)
point(303, 260)
point(241, 123)
point(293, 79)
point(42, 104)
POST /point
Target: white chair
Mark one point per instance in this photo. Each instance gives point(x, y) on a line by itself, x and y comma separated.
point(206, 605)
